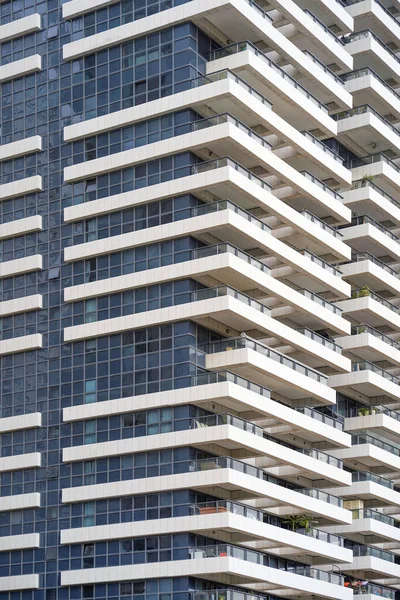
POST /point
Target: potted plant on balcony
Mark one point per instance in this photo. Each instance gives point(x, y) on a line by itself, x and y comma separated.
point(363, 292)
point(363, 412)
point(306, 523)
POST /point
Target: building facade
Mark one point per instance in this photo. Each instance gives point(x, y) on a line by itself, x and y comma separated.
point(199, 299)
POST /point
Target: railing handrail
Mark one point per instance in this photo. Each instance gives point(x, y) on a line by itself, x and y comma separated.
point(360, 476)
point(370, 159)
point(228, 118)
point(363, 328)
point(366, 365)
point(324, 67)
point(309, 215)
point(366, 438)
point(368, 71)
point(365, 220)
point(247, 342)
point(323, 27)
point(360, 183)
point(322, 263)
point(329, 305)
point(362, 293)
point(362, 110)
point(246, 45)
point(227, 161)
point(215, 377)
point(322, 185)
point(360, 256)
point(368, 33)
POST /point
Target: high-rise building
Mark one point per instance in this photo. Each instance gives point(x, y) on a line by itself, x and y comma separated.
point(199, 299)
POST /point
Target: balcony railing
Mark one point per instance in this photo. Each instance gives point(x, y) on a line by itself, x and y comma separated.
point(243, 46)
point(212, 207)
point(364, 73)
point(224, 290)
point(245, 342)
point(222, 506)
point(229, 594)
point(322, 185)
point(326, 69)
point(374, 590)
point(226, 161)
point(363, 110)
point(364, 550)
point(361, 256)
point(323, 146)
point(328, 343)
point(365, 365)
point(226, 462)
point(322, 263)
point(227, 74)
point(367, 293)
point(228, 118)
point(362, 183)
point(357, 440)
point(366, 220)
point(336, 423)
point(320, 223)
point(359, 329)
point(372, 159)
point(228, 377)
point(368, 513)
point(259, 558)
point(260, 12)
point(361, 476)
point(320, 300)
point(217, 249)
point(355, 37)
point(324, 28)
point(381, 6)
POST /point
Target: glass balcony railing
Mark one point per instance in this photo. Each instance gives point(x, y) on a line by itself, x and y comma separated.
point(337, 423)
point(361, 256)
point(365, 365)
point(367, 293)
point(374, 590)
point(323, 146)
point(226, 419)
point(368, 513)
point(366, 220)
point(217, 249)
point(322, 185)
point(218, 205)
point(243, 46)
point(224, 290)
point(228, 377)
point(324, 28)
point(357, 440)
point(320, 223)
point(226, 462)
point(364, 550)
point(226, 161)
point(320, 300)
point(363, 110)
point(227, 118)
point(313, 452)
point(259, 558)
point(362, 183)
point(367, 33)
point(227, 74)
point(359, 329)
point(260, 12)
point(229, 594)
point(361, 476)
point(364, 73)
point(321, 65)
point(222, 506)
point(328, 343)
point(322, 263)
point(382, 7)
point(372, 159)
point(245, 342)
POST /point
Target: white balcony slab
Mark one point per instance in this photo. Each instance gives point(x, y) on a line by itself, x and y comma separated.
point(21, 344)
point(19, 305)
point(21, 265)
point(18, 68)
point(20, 461)
point(21, 227)
point(20, 147)
point(21, 187)
point(27, 421)
point(20, 27)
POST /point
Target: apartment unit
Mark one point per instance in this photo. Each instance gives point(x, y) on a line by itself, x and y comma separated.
point(199, 299)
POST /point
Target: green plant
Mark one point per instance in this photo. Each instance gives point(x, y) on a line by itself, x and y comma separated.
point(306, 521)
point(300, 522)
point(294, 521)
point(363, 412)
point(367, 178)
point(363, 292)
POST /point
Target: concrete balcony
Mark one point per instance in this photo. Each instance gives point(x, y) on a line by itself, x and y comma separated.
point(372, 14)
